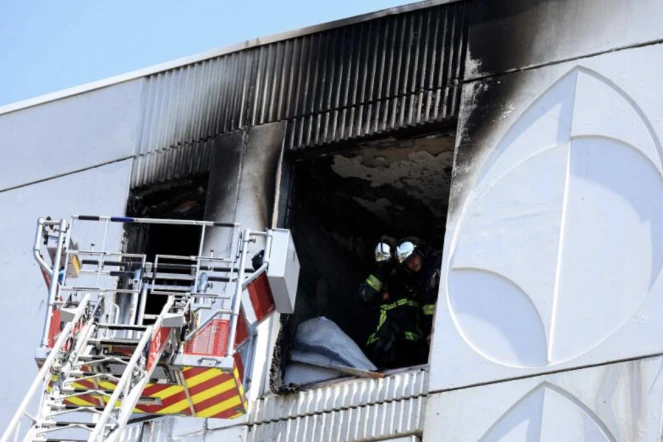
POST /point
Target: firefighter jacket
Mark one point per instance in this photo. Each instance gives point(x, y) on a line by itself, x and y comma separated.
point(426, 283)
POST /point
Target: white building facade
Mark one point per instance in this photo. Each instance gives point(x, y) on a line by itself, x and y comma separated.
point(548, 324)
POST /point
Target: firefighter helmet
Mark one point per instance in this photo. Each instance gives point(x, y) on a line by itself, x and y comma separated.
point(384, 249)
point(408, 247)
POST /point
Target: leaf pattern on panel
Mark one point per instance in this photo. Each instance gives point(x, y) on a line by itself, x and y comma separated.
point(568, 209)
point(548, 414)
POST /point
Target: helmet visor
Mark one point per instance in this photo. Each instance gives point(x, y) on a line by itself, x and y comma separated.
point(382, 252)
point(405, 250)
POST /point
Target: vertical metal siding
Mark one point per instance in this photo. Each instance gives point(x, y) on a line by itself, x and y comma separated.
point(372, 422)
point(358, 409)
point(182, 111)
point(345, 395)
point(381, 75)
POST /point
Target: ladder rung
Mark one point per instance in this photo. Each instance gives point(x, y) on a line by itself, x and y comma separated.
point(221, 279)
point(53, 424)
point(107, 359)
point(121, 273)
point(119, 359)
point(173, 276)
point(91, 376)
point(166, 265)
point(172, 288)
point(122, 327)
point(115, 341)
point(95, 262)
point(74, 392)
point(203, 268)
point(210, 295)
point(69, 393)
point(63, 440)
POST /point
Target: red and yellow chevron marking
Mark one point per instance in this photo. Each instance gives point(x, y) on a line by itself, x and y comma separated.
point(212, 392)
point(80, 399)
point(215, 393)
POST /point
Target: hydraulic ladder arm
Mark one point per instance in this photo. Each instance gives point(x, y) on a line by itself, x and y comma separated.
point(102, 363)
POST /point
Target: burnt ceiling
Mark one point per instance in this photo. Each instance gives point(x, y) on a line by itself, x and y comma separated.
point(400, 186)
point(180, 199)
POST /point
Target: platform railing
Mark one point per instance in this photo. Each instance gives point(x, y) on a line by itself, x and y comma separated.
point(166, 275)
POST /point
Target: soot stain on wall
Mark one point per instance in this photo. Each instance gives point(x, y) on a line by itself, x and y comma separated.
point(498, 36)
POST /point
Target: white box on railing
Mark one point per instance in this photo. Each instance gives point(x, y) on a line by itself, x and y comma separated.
point(283, 271)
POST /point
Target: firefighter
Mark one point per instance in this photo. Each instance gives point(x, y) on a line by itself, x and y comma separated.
point(395, 341)
point(422, 278)
point(373, 286)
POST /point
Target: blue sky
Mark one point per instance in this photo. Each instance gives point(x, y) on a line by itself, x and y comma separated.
point(46, 46)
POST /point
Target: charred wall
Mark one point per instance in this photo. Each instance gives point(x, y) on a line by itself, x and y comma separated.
point(368, 114)
point(376, 77)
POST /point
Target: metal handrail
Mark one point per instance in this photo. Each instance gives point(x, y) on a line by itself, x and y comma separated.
point(237, 300)
point(216, 313)
point(237, 280)
point(229, 268)
point(36, 248)
point(53, 288)
point(135, 220)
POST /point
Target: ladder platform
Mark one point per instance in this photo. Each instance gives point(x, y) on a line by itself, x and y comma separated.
point(187, 360)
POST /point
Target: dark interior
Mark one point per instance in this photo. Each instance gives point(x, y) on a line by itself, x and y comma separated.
point(339, 206)
point(184, 199)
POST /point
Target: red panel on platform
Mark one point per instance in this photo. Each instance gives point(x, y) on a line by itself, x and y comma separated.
point(239, 365)
point(211, 340)
point(261, 297)
point(157, 345)
point(55, 328)
point(242, 330)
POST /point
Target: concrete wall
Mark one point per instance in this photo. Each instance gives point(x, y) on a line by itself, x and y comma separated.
point(554, 242)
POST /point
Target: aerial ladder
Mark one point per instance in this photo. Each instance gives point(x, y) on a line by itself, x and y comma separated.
point(106, 357)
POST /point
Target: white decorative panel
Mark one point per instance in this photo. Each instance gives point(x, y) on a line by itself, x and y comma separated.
point(554, 247)
point(617, 402)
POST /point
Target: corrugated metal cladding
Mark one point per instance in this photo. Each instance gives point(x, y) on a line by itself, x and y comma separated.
point(363, 79)
point(356, 410)
point(372, 422)
point(359, 409)
point(340, 396)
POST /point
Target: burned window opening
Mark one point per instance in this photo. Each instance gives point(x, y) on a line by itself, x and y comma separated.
point(339, 206)
point(181, 199)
